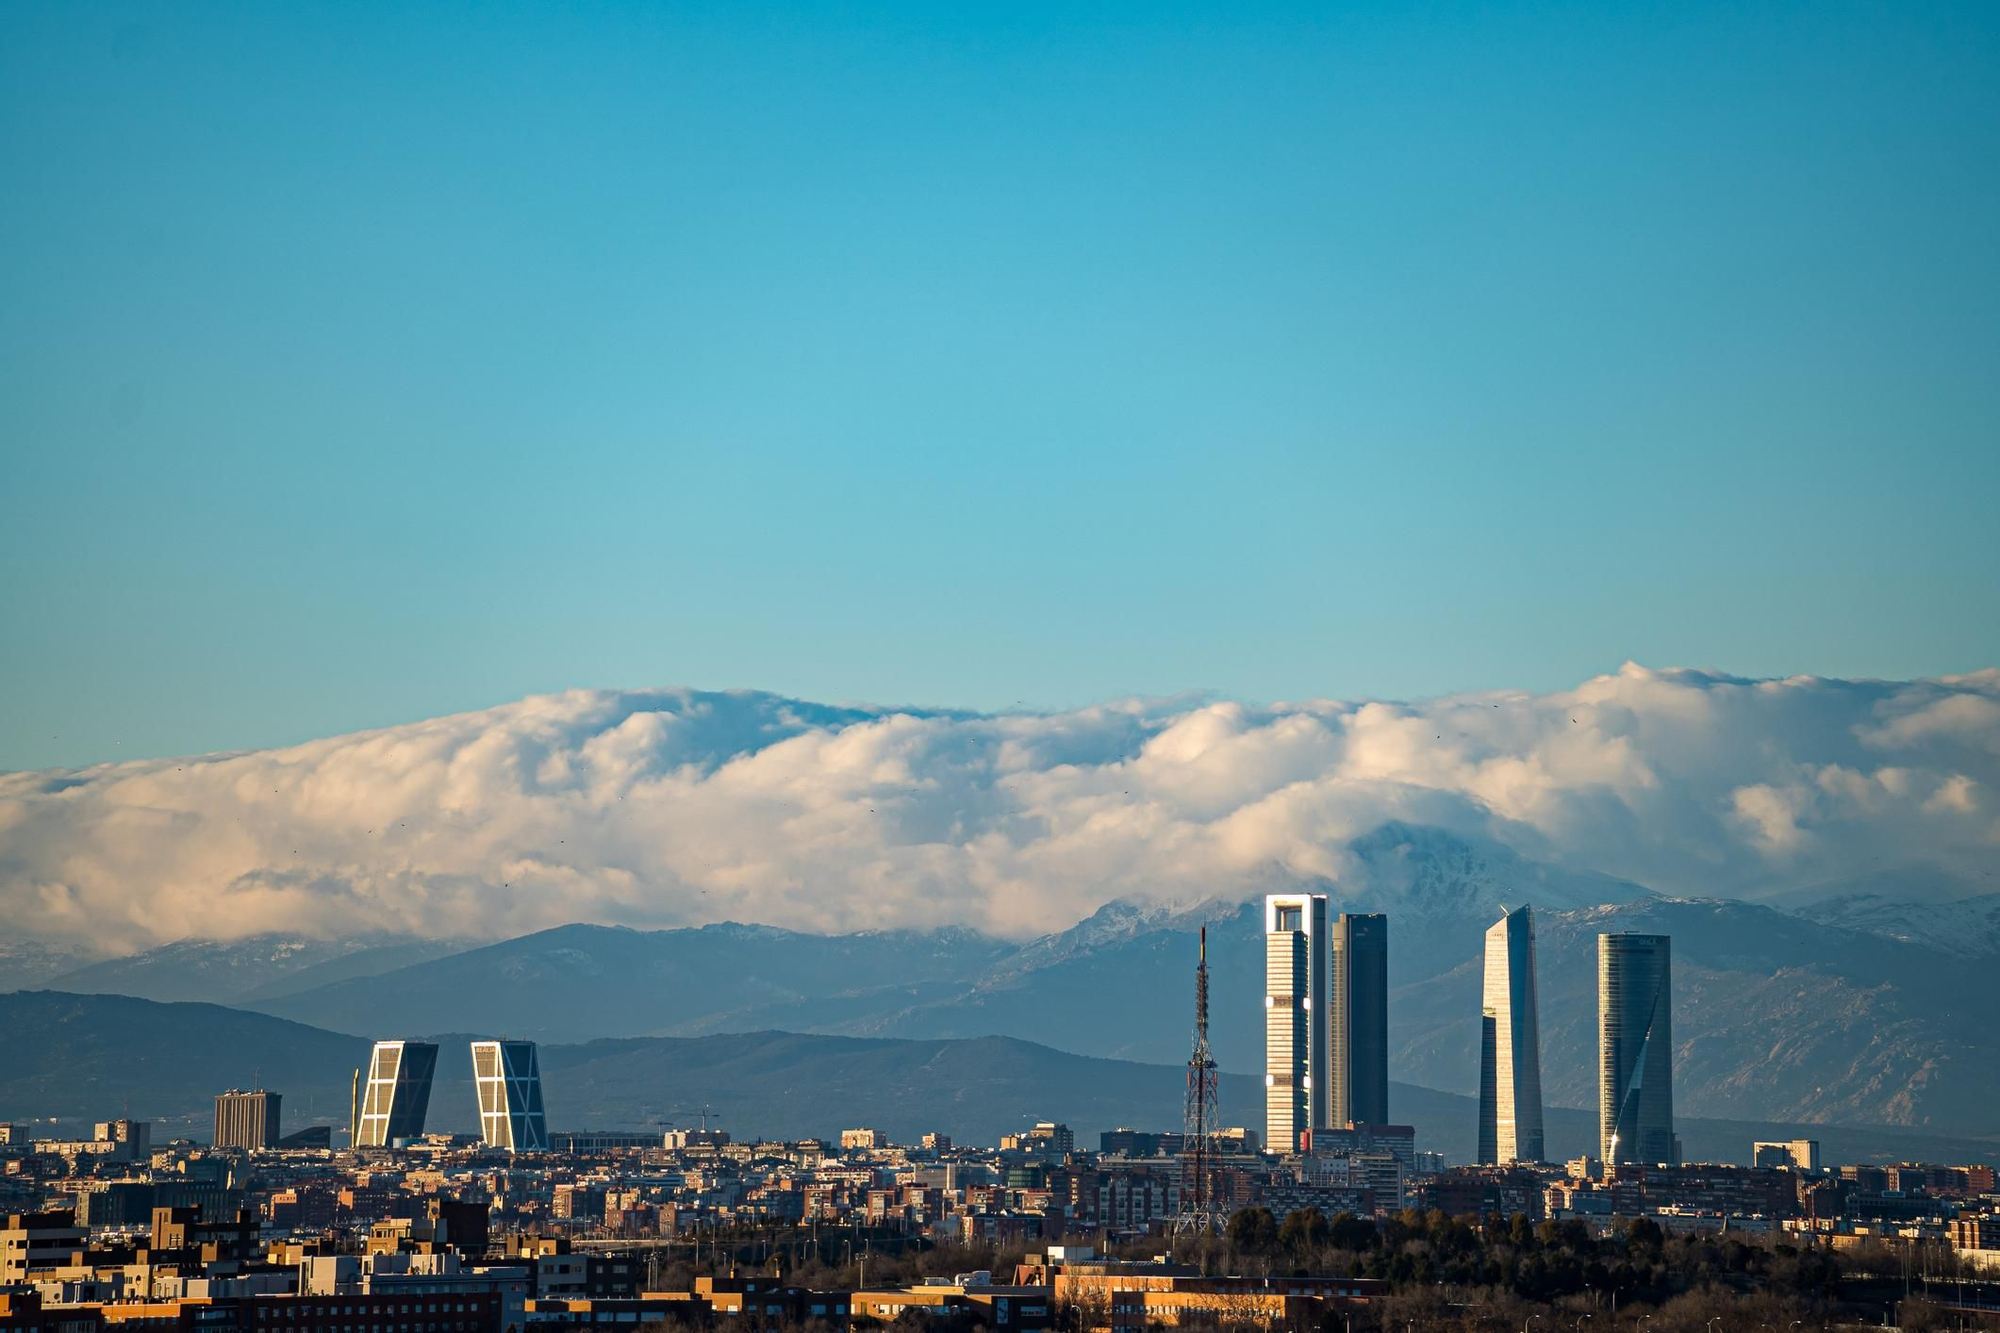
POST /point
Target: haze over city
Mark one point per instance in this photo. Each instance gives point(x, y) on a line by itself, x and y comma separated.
point(972, 669)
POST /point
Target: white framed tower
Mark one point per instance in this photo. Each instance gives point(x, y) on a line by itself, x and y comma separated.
point(1295, 1016)
point(398, 1093)
point(508, 1075)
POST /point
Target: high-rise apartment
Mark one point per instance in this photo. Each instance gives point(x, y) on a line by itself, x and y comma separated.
point(509, 1078)
point(398, 1093)
point(1295, 1017)
point(1510, 1046)
point(1359, 1021)
point(247, 1120)
point(1635, 1044)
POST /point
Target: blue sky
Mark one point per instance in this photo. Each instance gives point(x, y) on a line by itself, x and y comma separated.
point(360, 363)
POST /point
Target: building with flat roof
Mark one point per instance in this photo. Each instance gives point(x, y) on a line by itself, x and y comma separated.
point(1798, 1154)
point(1510, 1045)
point(247, 1120)
point(1635, 1069)
point(398, 1094)
point(1295, 1018)
point(508, 1076)
point(1359, 1022)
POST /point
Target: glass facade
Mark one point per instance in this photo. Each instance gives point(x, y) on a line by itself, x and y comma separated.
point(398, 1095)
point(1510, 1066)
point(1635, 1098)
point(1360, 1020)
point(508, 1075)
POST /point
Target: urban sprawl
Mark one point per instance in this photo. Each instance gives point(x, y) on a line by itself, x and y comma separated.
point(1329, 1215)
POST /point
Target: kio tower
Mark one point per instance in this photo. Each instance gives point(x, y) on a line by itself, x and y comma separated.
point(1359, 993)
point(509, 1078)
point(1510, 1059)
point(1295, 1015)
point(398, 1094)
point(1635, 1045)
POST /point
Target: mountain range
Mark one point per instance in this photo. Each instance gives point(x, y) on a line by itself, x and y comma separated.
point(75, 1058)
point(1851, 1005)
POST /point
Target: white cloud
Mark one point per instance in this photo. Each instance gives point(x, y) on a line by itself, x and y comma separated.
point(672, 806)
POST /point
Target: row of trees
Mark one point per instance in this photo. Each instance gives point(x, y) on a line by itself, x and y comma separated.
point(1455, 1275)
point(1540, 1262)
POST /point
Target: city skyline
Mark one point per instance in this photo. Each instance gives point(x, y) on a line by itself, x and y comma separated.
point(652, 653)
point(1310, 957)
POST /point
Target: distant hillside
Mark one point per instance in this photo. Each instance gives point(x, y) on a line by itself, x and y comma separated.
point(257, 967)
point(87, 1057)
point(1117, 965)
point(25, 963)
point(1964, 927)
point(1776, 1016)
point(579, 982)
point(93, 1057)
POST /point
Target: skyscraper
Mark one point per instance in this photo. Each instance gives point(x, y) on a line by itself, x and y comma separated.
point(398, 1093)
point(1510, 1047)
point(1360, 1021)
point(247, 1120)
point(1295, 1049)
point(509, 1078)
point(1635, 1069)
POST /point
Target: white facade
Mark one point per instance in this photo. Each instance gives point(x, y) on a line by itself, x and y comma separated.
point(508, 1075)
point(398, 1095)
point(1295, 1015)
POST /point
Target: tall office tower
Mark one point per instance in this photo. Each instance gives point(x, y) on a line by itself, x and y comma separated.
point(1295, 1082)
point(509, 1078)
point(1510, 1047)
point(1360, 1021)
point(247, 1120)
point(1635, 1049)
point(398, 1092)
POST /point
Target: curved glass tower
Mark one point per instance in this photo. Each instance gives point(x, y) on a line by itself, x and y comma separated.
point(1635, 1059)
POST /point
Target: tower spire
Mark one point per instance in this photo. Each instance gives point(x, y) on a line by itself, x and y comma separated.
point(1198, 1213)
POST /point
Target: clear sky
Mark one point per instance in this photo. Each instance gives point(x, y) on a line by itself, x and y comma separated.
point(362, 362)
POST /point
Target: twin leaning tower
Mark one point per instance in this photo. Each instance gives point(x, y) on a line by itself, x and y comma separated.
point(1326, 1034)
point(507, 1074)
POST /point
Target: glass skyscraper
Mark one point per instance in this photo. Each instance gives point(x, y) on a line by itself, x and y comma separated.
point(509, 1078)
point(1359, 1021)
point(1635, 1062)
point(1510, 1048)
point(398, 1093)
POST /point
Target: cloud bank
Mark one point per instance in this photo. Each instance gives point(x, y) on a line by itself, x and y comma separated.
point(669, 807)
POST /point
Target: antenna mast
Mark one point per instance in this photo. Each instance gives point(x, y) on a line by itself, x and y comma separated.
point(1198, 1213)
